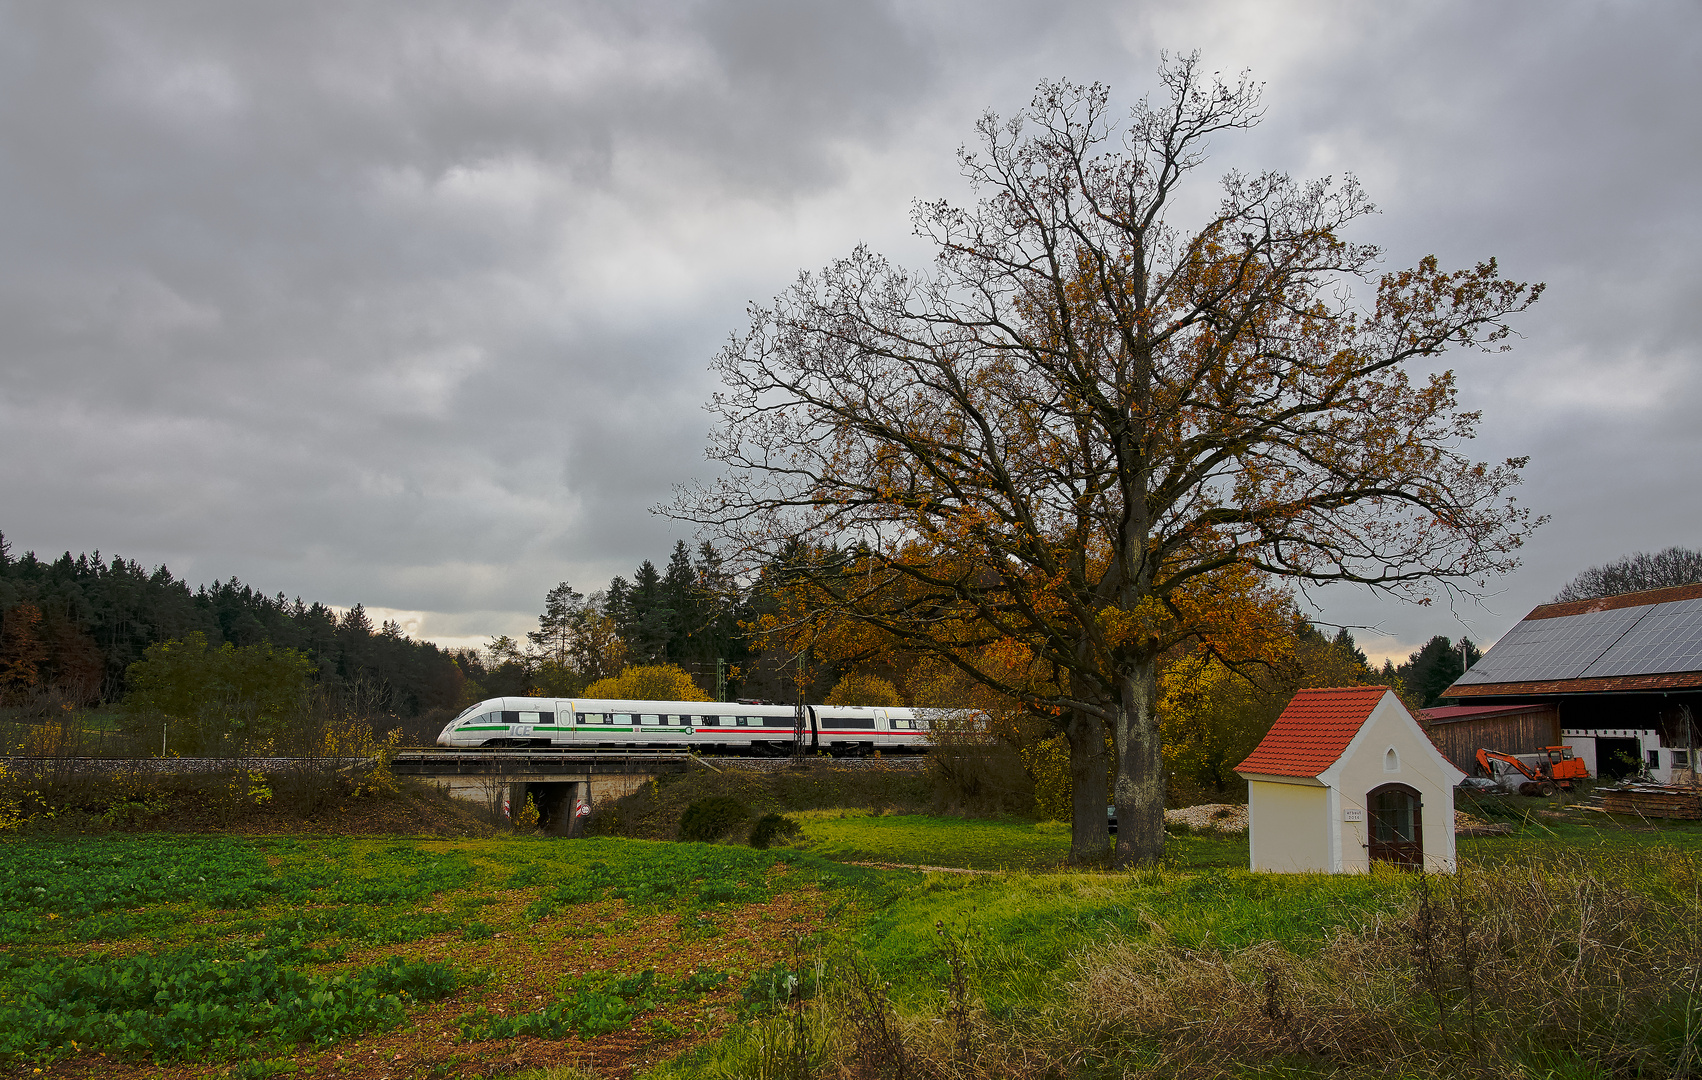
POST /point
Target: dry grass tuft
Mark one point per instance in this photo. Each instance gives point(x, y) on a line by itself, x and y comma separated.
point(1488, 972)
point(1577, 965)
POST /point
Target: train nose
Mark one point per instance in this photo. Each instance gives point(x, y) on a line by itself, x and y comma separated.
point(443, 738)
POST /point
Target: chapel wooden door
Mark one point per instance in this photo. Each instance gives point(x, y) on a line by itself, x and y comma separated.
point(1397, 826)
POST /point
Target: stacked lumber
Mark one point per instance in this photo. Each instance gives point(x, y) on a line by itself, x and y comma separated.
point(1653, 801)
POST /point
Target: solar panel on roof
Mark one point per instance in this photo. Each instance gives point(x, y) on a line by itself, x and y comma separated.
point(1541, 650)
point(1653, 639)
point(1667, 638)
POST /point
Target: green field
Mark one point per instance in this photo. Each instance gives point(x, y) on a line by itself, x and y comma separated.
point(217, 955)
point(978, 844)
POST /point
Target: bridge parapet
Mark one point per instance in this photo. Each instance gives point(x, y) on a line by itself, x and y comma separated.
point(556, 781)
point(522, 764)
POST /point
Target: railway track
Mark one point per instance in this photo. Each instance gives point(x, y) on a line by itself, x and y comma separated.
point(412, 761)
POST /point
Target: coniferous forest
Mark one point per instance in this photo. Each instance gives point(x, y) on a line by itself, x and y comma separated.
point(78, 630)
point(227, 659)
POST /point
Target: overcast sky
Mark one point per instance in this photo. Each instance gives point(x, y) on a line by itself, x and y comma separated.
point(411, 304)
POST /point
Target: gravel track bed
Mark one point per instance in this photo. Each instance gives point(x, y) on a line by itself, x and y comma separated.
point(889, 764)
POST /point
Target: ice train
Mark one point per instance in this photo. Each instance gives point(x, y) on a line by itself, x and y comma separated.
point(706, 726)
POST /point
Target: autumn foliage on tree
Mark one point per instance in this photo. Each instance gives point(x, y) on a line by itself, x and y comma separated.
point(862, 689)
point(21, 650)
point(1065, 445)
point(648, 682)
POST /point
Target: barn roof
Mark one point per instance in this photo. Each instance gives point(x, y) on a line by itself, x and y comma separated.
point(1312, 732)
point(1634, 641)
point(1448, 714)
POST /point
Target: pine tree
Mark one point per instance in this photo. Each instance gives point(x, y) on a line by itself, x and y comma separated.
point(563, 610)
point(1434, 667)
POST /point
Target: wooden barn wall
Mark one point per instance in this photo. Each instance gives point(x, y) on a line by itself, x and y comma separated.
point(1510, 733)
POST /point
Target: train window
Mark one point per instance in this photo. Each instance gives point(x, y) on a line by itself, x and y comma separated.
point(546, 718)
point(528, 718)
point(509, 717)
point(901, 723)
point(709, 721)
point(593, 718)
point(648, 720)
point(623, 719)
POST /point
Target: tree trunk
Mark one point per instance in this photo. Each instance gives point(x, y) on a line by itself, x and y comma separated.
point(1140, 768)
point(1089, 834)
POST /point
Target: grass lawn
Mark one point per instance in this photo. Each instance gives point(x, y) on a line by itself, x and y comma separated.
point(1029, 921)
point(977, 843)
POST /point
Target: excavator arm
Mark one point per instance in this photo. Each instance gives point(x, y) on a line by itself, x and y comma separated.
point(1535, 781)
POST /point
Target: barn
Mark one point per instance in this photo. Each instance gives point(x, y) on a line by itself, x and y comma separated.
point(1346, 778)
point(1461, 730)
point(1623, 675)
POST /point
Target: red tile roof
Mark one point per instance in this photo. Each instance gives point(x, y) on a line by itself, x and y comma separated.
point(1313, 731)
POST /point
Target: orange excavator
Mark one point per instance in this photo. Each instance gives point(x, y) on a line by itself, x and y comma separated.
point(1555, 766)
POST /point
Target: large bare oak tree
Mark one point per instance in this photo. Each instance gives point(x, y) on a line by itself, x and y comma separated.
point(1050, 453)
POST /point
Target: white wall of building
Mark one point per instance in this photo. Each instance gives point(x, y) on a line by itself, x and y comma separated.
point(1367, 764)
point(1660, 764)
point(1289, 826)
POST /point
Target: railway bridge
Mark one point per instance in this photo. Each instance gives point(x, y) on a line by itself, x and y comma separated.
point(556, 780)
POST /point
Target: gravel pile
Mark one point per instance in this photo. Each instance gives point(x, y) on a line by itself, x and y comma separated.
point(1223, 817)
point(1466, 825)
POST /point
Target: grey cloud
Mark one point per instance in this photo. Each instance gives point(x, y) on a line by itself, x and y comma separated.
point(411, 304)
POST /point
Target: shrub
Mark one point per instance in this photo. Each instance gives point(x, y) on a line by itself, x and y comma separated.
point(710, 819)
point(653, 811)
point(974, 775)
point(648, 682)
point(857, 689)
point(527, 819)
point(772, 827)
point(11, 801)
